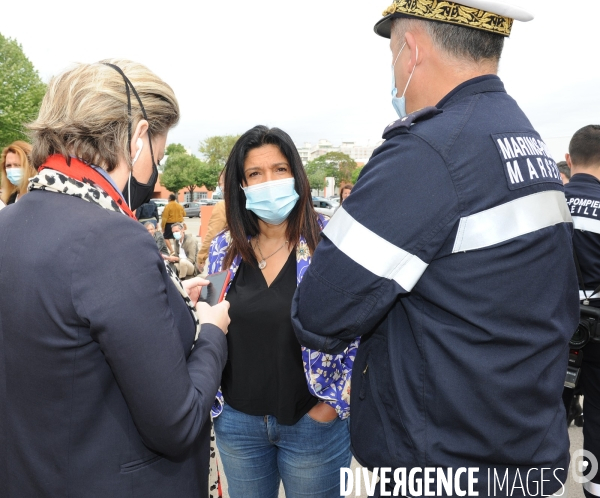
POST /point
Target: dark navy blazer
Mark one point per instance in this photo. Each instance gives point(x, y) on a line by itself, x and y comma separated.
point(99, 394)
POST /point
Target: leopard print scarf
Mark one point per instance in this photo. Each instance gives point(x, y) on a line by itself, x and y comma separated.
point(56, 181)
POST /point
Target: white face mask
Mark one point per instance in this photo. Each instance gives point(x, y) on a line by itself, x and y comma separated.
point(399, 103)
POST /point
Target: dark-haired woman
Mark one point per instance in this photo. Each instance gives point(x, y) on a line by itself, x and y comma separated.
point(285, 409)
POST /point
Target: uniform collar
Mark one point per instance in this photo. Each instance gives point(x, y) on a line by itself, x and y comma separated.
point(583, 178)
point(480, 84)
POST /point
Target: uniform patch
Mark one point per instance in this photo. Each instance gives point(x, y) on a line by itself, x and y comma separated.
point(526, 160)
point(584, 206)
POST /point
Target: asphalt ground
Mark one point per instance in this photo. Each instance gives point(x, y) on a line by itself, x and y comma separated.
point(574, 490)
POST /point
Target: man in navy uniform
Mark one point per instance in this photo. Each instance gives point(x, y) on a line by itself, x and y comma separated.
point(463, 286)
point(583, 198)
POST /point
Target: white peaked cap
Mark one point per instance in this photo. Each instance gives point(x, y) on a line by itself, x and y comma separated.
point(500, 8)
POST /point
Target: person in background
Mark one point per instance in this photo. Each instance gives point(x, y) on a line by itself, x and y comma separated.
point(158, 238)
point(147, 212)
point(107, 382)
point(217, 222)
point(286, 410)
point(185, 251)
point(16, 170)
point(173, 213)
point(583, 190)
point(565, 171)
point(344, 193)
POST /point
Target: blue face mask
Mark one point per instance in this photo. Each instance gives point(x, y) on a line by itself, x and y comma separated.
point(272, 201)
point(14, 175)
point(177, 235)
point(218, 192)
point(399, 103)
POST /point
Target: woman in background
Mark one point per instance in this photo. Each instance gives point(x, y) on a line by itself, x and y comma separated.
point(344, 193)
point(16, 171)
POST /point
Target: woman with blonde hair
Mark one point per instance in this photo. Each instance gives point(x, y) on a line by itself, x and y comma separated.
point(16, 170)
point(107, 381)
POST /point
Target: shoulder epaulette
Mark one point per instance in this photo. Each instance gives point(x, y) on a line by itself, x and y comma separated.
point(410, 119)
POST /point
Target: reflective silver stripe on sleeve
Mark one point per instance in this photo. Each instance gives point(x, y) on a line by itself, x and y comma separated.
point(586, 224)
point(513, 219)
point(592, 488)
point(373, 252)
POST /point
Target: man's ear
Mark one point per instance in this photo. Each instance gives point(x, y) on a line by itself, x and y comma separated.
point(412, 46)
point(568, 159)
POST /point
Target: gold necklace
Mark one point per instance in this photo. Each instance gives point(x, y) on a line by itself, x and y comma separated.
point(263, 262)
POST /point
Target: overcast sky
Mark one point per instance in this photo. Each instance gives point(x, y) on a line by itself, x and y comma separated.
point(313, 68)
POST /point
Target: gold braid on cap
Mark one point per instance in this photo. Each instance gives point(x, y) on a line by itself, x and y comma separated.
point(454, 13)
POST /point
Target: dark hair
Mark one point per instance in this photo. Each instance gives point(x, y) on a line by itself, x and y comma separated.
point(172, 197)
point(303, 219)
point(584, 147)
point(563, 167)
point(348, 186)
point(460, 41)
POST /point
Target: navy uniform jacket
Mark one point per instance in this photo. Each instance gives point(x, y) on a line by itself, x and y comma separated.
point(583, 197)
point(99, 393)
point(452, 259)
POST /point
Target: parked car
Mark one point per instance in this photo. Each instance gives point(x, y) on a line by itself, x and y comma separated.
point(192, 209)
point(324, 206)
point(161, 203)
point(208, 202)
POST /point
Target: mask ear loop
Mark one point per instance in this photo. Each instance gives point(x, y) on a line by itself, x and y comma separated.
point(127, 85)
point(395, 90)
point(396, 59)
point(412, 72)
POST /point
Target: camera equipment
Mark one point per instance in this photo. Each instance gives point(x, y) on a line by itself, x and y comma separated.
point(588, 329)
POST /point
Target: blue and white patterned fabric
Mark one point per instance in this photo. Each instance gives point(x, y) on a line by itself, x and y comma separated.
point(327, 375)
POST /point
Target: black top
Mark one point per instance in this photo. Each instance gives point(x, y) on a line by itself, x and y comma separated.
point(264, 374)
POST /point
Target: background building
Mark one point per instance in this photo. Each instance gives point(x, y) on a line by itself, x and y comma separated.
point(360, 153)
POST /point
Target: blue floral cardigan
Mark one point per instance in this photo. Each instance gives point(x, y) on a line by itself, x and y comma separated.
point(327, 376)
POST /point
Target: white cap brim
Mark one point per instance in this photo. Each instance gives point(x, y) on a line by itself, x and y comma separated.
point(500, 8)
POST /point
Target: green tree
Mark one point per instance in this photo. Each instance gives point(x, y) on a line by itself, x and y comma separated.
point(336, 164)
point(216, 149)
point(21, 91)
point(175, 149)
point(356, 173)
point(208, 175)
point(181, 171)
point(316, 178)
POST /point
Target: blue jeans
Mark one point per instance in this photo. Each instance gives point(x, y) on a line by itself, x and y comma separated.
point(257, 453)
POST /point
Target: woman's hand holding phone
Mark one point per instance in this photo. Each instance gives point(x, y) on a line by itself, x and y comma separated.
point(193, 287)
point(217, 315)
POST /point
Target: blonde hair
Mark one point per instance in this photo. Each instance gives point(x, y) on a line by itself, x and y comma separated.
point(84, 112)
point(23, 150)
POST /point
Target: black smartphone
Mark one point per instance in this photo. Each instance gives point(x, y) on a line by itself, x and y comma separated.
point(214, 292)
